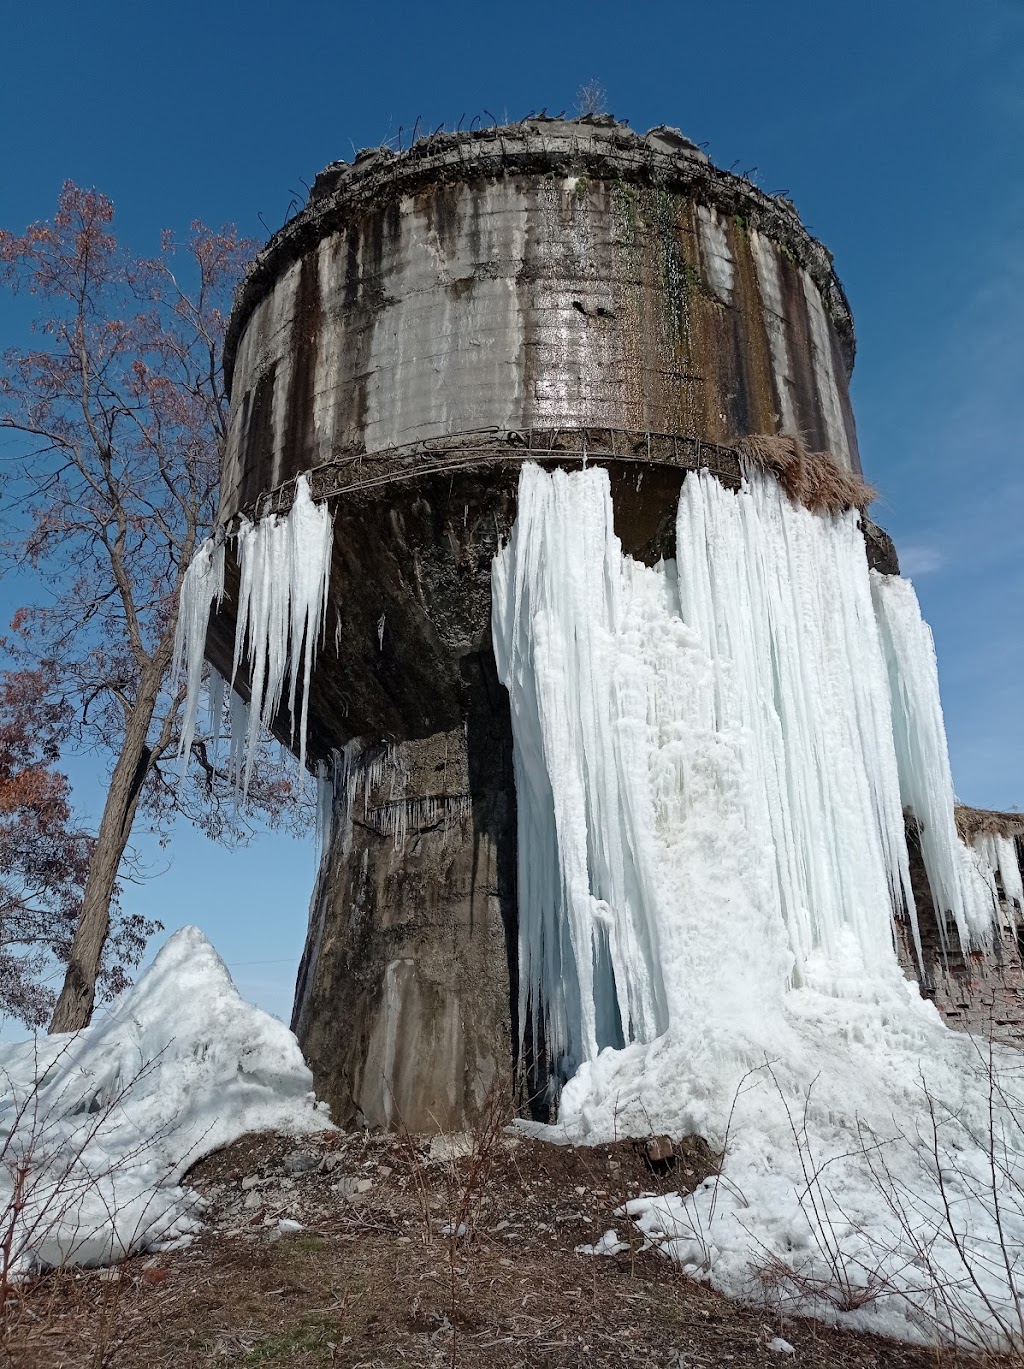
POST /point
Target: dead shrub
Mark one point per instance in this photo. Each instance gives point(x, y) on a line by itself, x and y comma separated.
point(810, 478)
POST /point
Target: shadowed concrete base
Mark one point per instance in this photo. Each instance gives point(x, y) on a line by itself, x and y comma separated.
point(404, 1004)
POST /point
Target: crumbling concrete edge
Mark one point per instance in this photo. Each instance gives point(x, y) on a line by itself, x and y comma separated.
point(600, 149)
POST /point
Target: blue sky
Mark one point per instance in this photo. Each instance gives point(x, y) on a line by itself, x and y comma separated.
point(898, 129)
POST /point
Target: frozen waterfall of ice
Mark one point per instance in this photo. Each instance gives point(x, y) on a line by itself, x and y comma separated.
point(710, 805)
point(284, 569)
point(958, 883)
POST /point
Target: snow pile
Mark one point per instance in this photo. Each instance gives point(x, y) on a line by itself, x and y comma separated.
point(284, 569)
point(609, 1244)
point(97, 1128)
point(711, 842)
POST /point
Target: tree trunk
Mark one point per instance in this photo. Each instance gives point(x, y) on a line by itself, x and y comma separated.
point(77, 997)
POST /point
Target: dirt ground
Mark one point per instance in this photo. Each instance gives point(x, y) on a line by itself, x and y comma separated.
point(362, 1251)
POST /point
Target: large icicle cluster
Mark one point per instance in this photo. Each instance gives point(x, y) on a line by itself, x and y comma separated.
point(710, 803)
point(764, 637)
point(284, 570)
point(998, 856)
point(954, 873)
point(589, 959)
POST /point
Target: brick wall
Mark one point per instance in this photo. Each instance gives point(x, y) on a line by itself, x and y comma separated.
point(981, 991)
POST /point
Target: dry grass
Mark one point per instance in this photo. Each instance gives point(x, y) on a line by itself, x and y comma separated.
point(810, 478)
point(973, 822)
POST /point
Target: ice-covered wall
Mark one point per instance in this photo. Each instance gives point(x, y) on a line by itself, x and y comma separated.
point(712, 849)
point(711, 741)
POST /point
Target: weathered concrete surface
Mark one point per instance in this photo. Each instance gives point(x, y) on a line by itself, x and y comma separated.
point(406, 995)
point(544, 275)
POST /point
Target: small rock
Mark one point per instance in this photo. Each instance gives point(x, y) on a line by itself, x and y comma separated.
point(251, 1181)
point(289, 1225)
point(299, 1162)
point(454, 1147)
point(385, 1171)
point(363, 1185)
point(252, 1201)
point(659, 1149)
point(345, 1186)
point(781, 1347)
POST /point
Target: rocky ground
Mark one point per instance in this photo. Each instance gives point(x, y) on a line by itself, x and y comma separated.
point(359, 1250)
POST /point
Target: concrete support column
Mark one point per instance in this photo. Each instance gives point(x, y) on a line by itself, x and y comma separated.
point(405, 1004)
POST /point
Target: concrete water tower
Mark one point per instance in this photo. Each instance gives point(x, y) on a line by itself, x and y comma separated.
point(558, 291)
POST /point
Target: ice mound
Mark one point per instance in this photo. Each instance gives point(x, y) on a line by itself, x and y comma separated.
point(98, 1127)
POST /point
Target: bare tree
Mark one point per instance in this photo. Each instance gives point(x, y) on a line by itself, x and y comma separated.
point(121, 412)
point(44, 857)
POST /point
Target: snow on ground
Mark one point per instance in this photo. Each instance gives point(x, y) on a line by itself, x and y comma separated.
point(710, 798)
point(97, 1128)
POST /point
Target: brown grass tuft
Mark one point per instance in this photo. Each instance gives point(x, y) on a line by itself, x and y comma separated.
point(973, 822)
point(811, 478)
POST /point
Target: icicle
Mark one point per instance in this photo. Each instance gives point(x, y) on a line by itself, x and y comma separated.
point(215, 687)
point(310, 541)
point(284, 570)
point(202, 584)
point(998, 856)
point(926, 784)
point(325, 795)
point(238, 715)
